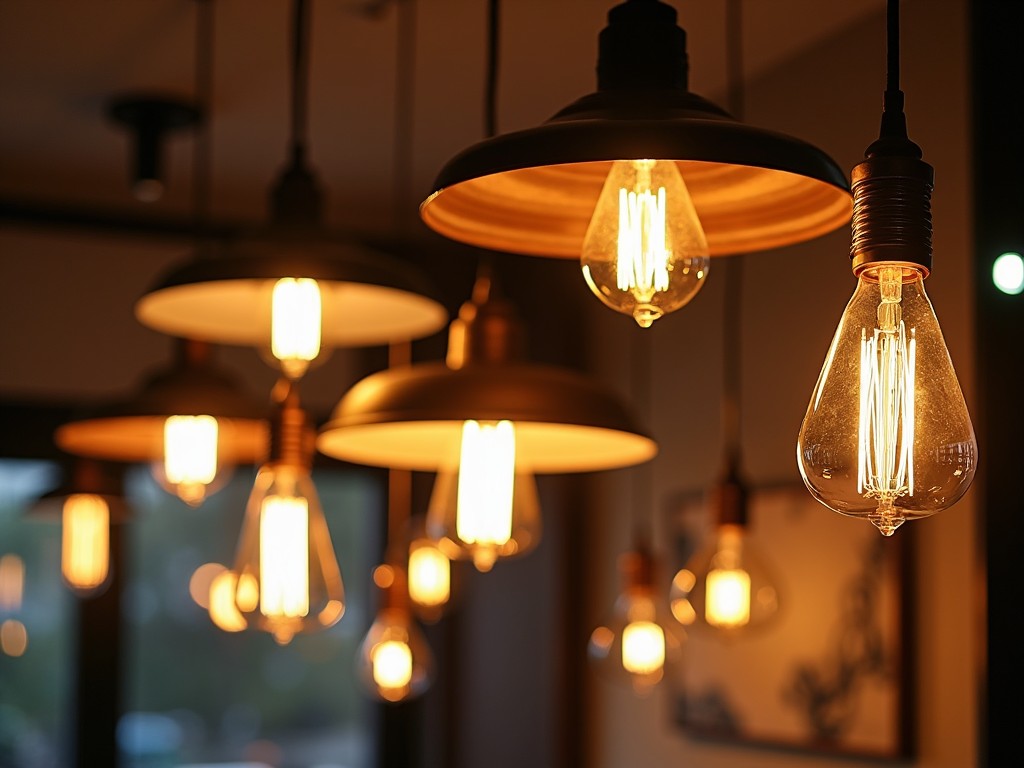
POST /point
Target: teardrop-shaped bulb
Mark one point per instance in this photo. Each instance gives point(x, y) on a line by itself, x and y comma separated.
point(645, 253)
point(887, 435)
point(486, 508)
point(288, 577)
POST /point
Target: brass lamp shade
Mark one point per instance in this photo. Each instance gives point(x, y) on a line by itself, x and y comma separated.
point(535, 191)
point(133, 430)
point(367, 298)
point(412, 417)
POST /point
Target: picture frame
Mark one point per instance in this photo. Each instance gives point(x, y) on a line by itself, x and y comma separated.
point(830, 671)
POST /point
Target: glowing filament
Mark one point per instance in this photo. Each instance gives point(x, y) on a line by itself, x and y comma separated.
point(85, 549)
point(295, 323)
point(190, 453)
point(727, 601)
point(13, 637)
point(284, 557)
point(429, 575)
point(643, 647)
point(643, 256)
point(392, 664)
point(486, 479)
point(12, 582)
point(885, 445)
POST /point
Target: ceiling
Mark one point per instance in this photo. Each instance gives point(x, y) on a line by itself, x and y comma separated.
point(61, 61)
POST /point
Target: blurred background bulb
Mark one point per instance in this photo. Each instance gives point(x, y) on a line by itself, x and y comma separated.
point(190, 456)
point(295, 324)
point(887, 435)
point(644, 253)
point(487, 508)
point(213, 588)
point(85, 542)
point(639, 641)
point(394, 662)
point(429, 574)
point(12, 583)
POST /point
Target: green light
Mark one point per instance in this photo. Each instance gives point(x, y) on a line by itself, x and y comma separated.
point(1008, 273)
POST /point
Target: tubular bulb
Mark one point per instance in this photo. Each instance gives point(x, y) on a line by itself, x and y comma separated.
point(429, 574)
point(190, 457)
point(85, 545)
point(295, 324)
point(644, 253)
point(887, 436)
point(487, 507)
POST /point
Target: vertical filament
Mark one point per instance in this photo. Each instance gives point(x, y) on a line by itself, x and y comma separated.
point(643, 647)
point(190, 453)
point(486, 479)
point(85, 546)
point(728, 597)
point(885, 445)
point(284, 557)
point(643, 255)
point(295, 323)
point(429, 575)
point(392, 664)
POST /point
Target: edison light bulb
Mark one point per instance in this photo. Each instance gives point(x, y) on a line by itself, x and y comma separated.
point(725, 585)
point(644, 253)
point(85, 546)
point(394, 660)
point(13, 637)
point(486, 508)
point(295, 324)
point(12, 583)
point(429, 574)
point(288, 578)
point(639, 640)
point(222, 607)
point(190, 456)
point(887, 436)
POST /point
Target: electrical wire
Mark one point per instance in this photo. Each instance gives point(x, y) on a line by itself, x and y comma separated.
point(300, 79)
point(491, 82)
point(201, 144)
point(405, 104)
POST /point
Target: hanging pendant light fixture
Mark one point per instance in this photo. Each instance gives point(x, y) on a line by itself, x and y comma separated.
point(488, 412)
point(293, 289)
point(190, 421)
point(86, 504)
point(887, 436)
point(642, 180)
point(288, 580)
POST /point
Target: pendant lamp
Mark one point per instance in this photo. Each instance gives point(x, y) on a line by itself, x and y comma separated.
point(191, 420)
point(86, 504)
point(535, 191)
point(887, 436)
point(294, 288)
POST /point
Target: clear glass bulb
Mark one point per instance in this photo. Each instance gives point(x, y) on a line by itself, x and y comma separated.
point(288, 576)
point(725, 585)
point(645, 253)
point(639, 641)
point(190, 457)
point(394, 662)
point(295, 324)
point(887, 435)
point(85, 544)
point(487, 508)
point(430, 577)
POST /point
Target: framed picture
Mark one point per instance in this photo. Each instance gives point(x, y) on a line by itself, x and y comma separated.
point(829, 671)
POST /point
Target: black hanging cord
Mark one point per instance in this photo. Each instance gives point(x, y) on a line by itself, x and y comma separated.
point(732, 302)
point(300, 80)
point(405, 92)
point(399, 480)
point(893, 134)
point(201, 151)
point(491, 87)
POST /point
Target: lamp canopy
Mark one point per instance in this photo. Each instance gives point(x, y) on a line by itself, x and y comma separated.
point(133, 429)
point(534, 191)
point(84, 476)
point(412, 417)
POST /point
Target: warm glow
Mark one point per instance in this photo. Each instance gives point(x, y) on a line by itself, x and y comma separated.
point(392, 664)
point(199, 584)
point(429, 574)
point(13, 637)
point(190, 455)
point(12, 582)
point(644, 252)
point(486, 479)
point(643, 647)
point(1008, 273)
point(295, 324)
point(223, 609)
point(727, 601)
point(85, 551)
point(284, 557)
point(885, 461)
